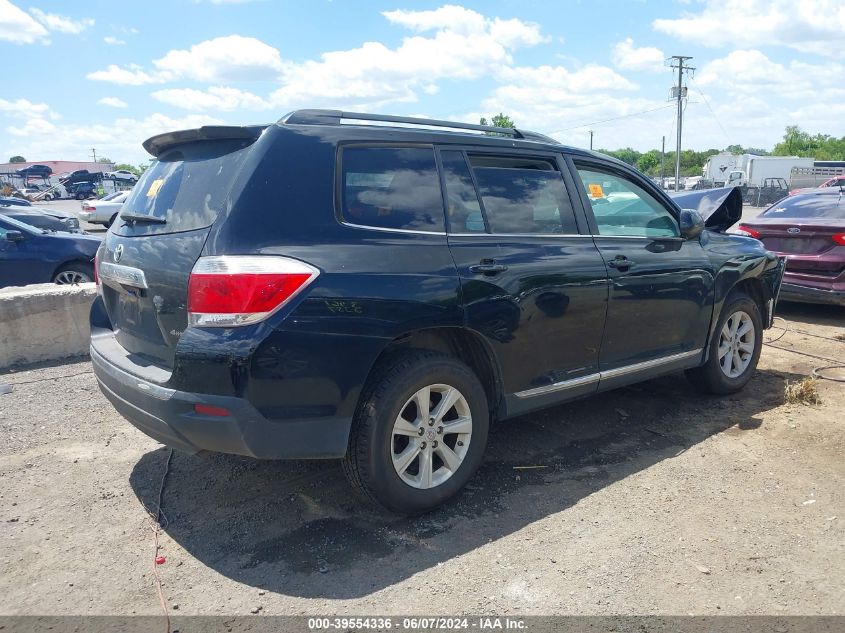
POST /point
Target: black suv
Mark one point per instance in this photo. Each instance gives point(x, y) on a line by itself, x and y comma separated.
point(379, 291)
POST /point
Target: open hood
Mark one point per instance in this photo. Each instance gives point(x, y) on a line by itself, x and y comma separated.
point(721, 208)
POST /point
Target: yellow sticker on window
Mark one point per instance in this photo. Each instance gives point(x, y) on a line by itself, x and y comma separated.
point(155, 185)
point(595, 190)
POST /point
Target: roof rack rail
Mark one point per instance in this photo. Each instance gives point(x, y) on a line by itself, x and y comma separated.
point(334, 117)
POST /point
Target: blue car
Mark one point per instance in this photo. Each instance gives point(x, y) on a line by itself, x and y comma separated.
point(14, 202)
point(29, 255)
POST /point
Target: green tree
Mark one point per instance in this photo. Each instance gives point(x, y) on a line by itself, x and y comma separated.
point(128, 167)
point(498, 120)
point(17, 159)
point(103, 159)
point(626, 155)
point(649, 163)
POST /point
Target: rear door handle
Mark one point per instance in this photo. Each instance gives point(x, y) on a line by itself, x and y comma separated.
point(488, 267)
point(620, 262)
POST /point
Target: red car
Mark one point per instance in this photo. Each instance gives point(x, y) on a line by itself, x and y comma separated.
point(809, 230)
point(836, 181)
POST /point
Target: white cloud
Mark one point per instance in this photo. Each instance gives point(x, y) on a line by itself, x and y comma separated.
point(751, 72)
point(114, 41)
point(646, 58)
point(464, 45)
point(230, 58)
point(555, 99)
point(19, 27)
point(215, 98)
point(23, 107)
point(121, 139)
point(810, 26)
point(222, 59)
point(113, 102)
point(133, 75)
point(61, 23)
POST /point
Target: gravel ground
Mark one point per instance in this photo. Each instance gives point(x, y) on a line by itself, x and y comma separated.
point(650, 499)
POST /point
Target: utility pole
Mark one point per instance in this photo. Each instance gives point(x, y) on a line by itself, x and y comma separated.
point(591, 140)
point(677, 61)
point(94, 153)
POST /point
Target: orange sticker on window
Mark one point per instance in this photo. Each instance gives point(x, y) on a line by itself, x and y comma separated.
point(155, 185)
point(595, 190)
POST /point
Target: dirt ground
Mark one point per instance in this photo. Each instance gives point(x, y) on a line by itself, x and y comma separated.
point(651, 499)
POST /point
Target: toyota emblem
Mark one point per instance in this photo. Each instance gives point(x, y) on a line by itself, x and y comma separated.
point(793, 230)
point(118, 252)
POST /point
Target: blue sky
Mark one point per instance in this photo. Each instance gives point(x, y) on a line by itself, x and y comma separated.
point(108, 75)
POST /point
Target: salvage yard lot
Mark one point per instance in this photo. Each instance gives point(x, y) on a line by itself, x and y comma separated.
point(649, 499)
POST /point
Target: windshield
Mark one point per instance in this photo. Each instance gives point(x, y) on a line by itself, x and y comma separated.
point(811, 206)
point(187, 186)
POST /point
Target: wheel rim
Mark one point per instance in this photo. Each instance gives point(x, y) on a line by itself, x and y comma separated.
point(71, 277)
point(736, 344)
point(431, 436)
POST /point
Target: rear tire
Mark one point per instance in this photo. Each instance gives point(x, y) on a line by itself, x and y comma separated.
point(74, 273)
point(406, 459)
point(734, 349)
point(80, 196)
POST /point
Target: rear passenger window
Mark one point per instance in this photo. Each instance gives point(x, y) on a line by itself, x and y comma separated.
point(391, 188)
point(462, 200)
point(523, 195)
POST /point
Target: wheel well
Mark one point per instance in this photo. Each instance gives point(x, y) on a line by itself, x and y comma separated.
point(69, 263)
point(459, 343)
point(754, 289)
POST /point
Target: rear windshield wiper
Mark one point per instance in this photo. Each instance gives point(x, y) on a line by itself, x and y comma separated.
point(132, 218)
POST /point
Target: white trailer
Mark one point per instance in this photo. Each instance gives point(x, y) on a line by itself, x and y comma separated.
point(758, 168)
point(718, 166)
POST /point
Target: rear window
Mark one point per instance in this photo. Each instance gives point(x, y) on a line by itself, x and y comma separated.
point(815, 206)
point(187, 187)
point(523, 196)
point(391, 188)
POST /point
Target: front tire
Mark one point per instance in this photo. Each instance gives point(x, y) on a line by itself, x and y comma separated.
point(419, 433)
point(734, 350)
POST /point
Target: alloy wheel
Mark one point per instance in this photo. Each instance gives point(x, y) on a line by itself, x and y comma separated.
point(736, 344)
point(431, 436)
point(71, 277)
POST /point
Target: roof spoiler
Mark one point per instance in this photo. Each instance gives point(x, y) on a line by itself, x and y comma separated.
point(157, 144)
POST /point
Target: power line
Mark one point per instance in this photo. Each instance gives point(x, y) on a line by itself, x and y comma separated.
point(616, 118)
point(715, 118)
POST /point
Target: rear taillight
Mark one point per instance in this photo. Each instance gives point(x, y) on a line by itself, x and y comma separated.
point(233, 290)
point(839, 238)
point(747, 230)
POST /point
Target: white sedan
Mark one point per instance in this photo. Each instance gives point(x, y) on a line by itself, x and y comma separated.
point(105, 210)
point(121, 174)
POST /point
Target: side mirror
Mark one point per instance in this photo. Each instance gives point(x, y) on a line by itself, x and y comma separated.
point(14, 236)
point(692, 224)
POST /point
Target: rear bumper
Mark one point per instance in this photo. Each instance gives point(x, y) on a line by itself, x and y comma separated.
point(808, 294)
point(168, 416)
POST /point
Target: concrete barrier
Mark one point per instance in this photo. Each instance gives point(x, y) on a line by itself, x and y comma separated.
point(44, 322)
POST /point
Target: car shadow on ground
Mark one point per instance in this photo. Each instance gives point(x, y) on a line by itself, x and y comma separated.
point(297, 529)
point(810, 313)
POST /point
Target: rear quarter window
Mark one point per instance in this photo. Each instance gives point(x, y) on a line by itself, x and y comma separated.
point(391, 188)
